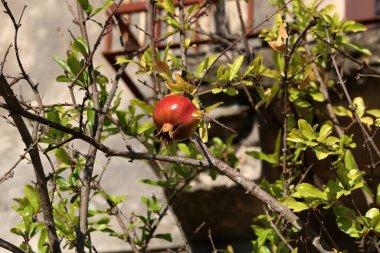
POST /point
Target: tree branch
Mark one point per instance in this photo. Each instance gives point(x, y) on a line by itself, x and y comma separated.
point(10, 247)
point(10, 99)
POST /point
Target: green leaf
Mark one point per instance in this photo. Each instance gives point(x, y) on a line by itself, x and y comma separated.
point(367, 120)
point(144, 106)
point(325, 131)
point(84, 3)
point(308, 191)
point(346, 221)
point(349, 161)
point(106, 5)
point(216, 90)
point(230, 91)
point(270, 158)
point(378, 195)
point(122, 60)
point(116, 200)
point(63, 79)
point(205, 65)
point(17, 231)
point(352, 26)
point(295, 205)
point(341, 111)
point(184, 149)
point(192, 9)
point(63, 156)
point(357, 47)
point(235, 67)
point(43, 241)
point(62, 62)
point(331, 140)
point(166, 237)
point(359, 106)
point(80, 45)
point(321, 152)
point(145, 127)
point(377, 122)
point(374, 112)
point(296, 136)
point(203, 132)
point(33, 196)
point(212, 107)
point(163, 69)
point(306, 129)
point(167, 5)
point(74, 65)
point(187, 42)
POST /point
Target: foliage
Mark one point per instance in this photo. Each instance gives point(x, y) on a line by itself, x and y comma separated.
point(308, 130)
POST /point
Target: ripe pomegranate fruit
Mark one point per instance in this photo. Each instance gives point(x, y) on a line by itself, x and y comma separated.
point(173, 118)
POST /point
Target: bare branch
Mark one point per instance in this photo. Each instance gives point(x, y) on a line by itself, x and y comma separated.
point(9, 246)
point(9, 97)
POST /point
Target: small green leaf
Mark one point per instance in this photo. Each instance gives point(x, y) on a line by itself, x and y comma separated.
point(346, 221)
point(62, 62)
point(367, 120)
point(270, 158)
point(166, 237)
point(63, 79)
point(63, 156)
point(216, 90)
point(33, 196)
point(349, 161)
point(377, 122)
point(17, 231)
point(145, 127)
point(230, 91)
point(235, 67)
point(295, 205)
point(163, 69)
point(331, 140)
point(187, 42)
point(325, 131)
point(192, 9)
point(146, 107)
point(341, 111)
point(359, 106)
point(321, 152)
point(203, 132)
point(184, 148)
point(80, 45)
point(306, 129)
point(212, 107)
point(84, 3)
point(308, 191)
point(374, 112)
point(106, 5)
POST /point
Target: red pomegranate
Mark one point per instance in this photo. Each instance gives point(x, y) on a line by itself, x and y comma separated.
point(173, 118)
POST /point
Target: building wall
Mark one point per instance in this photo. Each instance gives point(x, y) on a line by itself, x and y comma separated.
point(358, 10)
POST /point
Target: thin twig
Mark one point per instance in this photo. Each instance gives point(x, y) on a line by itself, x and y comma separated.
point(277, 231)
point(152, 19)
point(9, 173)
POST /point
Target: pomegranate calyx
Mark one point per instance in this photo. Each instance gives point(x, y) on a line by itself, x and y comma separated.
point(167, 128)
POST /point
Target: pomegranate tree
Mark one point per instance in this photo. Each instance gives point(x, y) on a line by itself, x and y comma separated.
point(174, 118)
